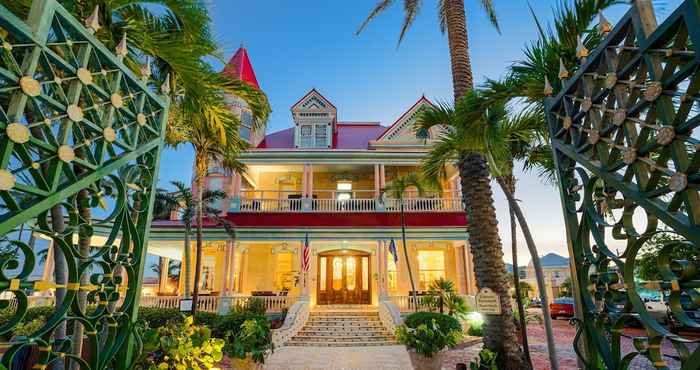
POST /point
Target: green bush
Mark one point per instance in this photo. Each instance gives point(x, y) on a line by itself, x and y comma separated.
point(476, 329)
point(443, 321)
point(253, 305)
point(180, 346)
point(230, 324)
point(254, 338)
point(486, 361)
point(153, 317)
point(208, 319)
point(429, 338)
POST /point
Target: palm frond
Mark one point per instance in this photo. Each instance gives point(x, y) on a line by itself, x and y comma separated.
point(411, 9)
point(491, 13)
point(380, 7)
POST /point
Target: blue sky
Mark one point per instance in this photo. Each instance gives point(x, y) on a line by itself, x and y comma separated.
point(297, 45)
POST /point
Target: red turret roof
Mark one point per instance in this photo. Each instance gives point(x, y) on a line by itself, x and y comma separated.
point(240, 68)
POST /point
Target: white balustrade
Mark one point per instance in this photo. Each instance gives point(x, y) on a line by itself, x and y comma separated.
point(359, 201)
point(405, 303)
point(211, 303)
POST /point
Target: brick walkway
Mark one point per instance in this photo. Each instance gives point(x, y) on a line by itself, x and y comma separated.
point(337, 358)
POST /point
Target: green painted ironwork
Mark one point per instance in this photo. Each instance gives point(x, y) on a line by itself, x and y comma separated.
point(627, 154)
point(78, 131)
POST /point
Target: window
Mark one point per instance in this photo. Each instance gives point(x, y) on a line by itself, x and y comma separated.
point(244, 133)
point(207, 277)
point(246, 119)
point(321, 133)
point(431, 266)
point(284, 277)
point(323, 273)
point(344, 189)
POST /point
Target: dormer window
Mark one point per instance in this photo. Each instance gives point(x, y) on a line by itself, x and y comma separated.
point(315, 119)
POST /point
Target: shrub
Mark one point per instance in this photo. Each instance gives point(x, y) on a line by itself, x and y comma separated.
point(476, 329)
point(443, 321)
point(180, 346)
point(253, 305)
point(153, 317)
point(208, 319)
point(254, 338)
point(486, 361)
point(430, 338)
point(230, 325)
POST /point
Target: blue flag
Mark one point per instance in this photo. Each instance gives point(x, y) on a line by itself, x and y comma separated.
point(392, 250)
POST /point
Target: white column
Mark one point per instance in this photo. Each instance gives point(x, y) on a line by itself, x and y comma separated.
point(310, 181)
point(163, 280)
point(382, 176)
point(377, 188)
point(381, 269)
point(47, 274)
point(242, 271)
point(225, 286)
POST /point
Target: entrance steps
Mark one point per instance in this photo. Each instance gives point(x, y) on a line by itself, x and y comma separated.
point(342, 328)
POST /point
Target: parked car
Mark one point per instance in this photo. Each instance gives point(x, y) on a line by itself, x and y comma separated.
point(535, 302)
point(562, 307)
point(691, 310)
point(656, 309)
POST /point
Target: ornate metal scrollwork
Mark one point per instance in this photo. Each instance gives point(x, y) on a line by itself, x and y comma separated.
point(627, 152)
point(80, 141)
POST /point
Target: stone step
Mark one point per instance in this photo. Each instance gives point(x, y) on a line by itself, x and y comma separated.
point(344, 338)
point(323, 330)
point(345, 324)
point(326, 334)
point(344, 318)
point(343, 313)
point(340, 344)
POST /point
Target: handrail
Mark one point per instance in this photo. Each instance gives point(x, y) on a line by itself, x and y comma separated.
point(211, 303)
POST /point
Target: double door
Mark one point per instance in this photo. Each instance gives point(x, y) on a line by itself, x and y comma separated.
point(343, 277)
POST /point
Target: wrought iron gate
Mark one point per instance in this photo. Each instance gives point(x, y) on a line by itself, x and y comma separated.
point(80, 138)
point(627, 154)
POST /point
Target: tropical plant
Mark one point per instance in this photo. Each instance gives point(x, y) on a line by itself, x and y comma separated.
point(397, 189)
point(254, 340)
point(485, 361)
point(429, 338)
point(253, 305)
point(476, 189)
point(566, 289)
point(180, 346)
point(472, 126)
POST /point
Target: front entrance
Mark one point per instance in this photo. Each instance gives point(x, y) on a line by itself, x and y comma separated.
point(343, 277)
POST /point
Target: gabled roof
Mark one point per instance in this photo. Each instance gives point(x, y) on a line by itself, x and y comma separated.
point(313, 92)
point(553, 260)
point(407, 113)
point(348, 135)
point(240, 68)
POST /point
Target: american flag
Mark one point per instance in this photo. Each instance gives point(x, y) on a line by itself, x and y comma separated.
point(305, 254)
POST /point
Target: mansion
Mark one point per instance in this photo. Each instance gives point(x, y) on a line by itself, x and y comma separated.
point(320, 182)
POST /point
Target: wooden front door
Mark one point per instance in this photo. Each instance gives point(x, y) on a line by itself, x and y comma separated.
point(343, 277)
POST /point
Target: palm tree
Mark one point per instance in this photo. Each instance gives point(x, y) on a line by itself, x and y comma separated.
point(397, 189)
point(475, 127)
point(499, 331)
point(182, 200)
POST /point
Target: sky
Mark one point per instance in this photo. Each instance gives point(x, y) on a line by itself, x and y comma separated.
point(298, 45)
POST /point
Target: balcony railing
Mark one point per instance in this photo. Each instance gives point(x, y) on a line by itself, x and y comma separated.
point(337, 201)
point(406, 303)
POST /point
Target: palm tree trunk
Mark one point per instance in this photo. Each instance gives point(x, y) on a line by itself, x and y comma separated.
point(199, 181)
point(499, 331)
point(187, 262)
point(516, 276)
point(82, 201)
point(554, 362)
point(489, 268)
point(405, 254)
point(60, 277)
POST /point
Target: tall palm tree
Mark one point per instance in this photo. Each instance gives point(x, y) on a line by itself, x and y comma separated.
point(397, 189)
point(486, 245)
point(502, 141)
point(183, 201)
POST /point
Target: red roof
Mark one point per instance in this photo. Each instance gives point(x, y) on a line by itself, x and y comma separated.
point(240, 68)
point(348, 135)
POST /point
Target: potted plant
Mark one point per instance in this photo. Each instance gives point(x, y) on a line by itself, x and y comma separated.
point(426, 335)
point(252, 344)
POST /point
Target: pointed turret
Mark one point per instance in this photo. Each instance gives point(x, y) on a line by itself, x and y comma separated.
point(240, 68)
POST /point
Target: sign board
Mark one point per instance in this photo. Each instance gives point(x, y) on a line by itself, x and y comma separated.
point(186, 305)
point(488, 302)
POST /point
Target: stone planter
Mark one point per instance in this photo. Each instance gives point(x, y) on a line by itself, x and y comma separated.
point(245, 364)
point(421, 362)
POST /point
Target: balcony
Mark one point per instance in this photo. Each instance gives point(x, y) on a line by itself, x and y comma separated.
point(331, 201)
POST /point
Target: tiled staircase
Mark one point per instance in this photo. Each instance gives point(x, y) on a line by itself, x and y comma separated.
point(343, 328)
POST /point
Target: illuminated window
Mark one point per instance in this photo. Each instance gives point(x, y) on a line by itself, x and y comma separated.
point(337, 273)
point(323, 273)
point(390, 271)
point(365, 273)
point(207, 277)
point(284, 277)
point(431, 266)
point(351, 273)
point(344, 189)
